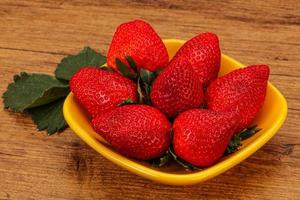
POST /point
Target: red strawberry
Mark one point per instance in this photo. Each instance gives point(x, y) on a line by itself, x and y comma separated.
point(242, 91)
point(137, 131)
point(203, 52)
point(176, 89)
point(140, 41)
point(201, 136)
point(99, 91)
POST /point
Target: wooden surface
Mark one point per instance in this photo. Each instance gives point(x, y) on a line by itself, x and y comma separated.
point(35, 35)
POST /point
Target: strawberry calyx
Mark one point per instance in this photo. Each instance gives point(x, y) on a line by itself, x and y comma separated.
point(131, 63)
point(161, 161)
point(128, 101)
point(187, 166)
point(170, 155)
point(124, 70)
point(106, 68)
point(143, 77)
point(236, 141)
point(144, 84)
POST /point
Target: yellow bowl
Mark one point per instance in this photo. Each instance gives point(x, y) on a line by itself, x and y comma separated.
point(269, 119)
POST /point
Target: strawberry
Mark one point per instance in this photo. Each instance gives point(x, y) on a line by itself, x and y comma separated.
point(242, 91)
point(176, 89)
point(136, 131)
point(140, 41)
point(201, 136)
point(99, 91)
point(203, 52)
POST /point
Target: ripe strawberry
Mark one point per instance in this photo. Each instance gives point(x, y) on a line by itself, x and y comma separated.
point(140, 41)
point(203, 52)
point(201, 136)
point(176, 89)
point(137, 131)
point(242, 91)
point(99, 91)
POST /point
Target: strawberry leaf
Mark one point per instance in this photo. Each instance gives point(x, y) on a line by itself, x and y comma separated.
point(234, 144)
point(140, 91)
point(145, 81)
point(249, 132)
point(124, 70)
point(33, 90)
point(147, 76)
point(186, 165)
point(159, 162)
point(49, 117)
point(71, 64)
point(147, 89)
point(157, 72)
point(126, 102)
point(143, 77)
point(109, 69)
point(131, 63)
point(236, 140)
point(143, 90)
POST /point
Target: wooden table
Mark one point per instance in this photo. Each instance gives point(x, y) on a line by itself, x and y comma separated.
point(35, 35)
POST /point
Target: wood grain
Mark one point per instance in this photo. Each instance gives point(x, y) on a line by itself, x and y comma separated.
point(35, 35)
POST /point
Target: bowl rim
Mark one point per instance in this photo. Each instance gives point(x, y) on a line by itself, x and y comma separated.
point(171, 178)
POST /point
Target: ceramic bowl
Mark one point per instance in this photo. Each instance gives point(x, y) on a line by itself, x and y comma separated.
point(270, 119)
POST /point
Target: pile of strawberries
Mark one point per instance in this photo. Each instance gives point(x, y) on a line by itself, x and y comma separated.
point(142, 103)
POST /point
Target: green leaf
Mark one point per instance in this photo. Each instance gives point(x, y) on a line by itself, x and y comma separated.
point(109, 69)
point(159, 162)
point(147, 89)
point(126, 102)
point(125, 71)
point(32, 90)
point(181, 162)
point(71, 64)
point(234, 144)
point(249, 132)
point(157, 72)
point(236, 140)
point(140, 91)
point(146, 79)
point(147, 76)
point(131, 63)
point(49, 117)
